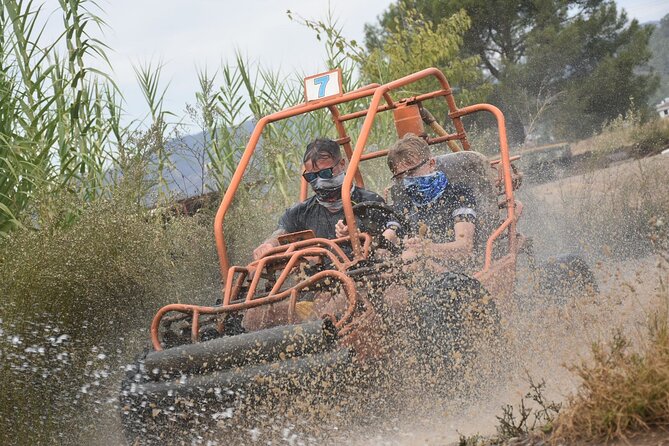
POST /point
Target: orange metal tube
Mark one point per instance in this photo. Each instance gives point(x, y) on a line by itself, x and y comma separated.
point(304, 189)
point(307, 248)
point(372, 155)
point(315, 242)
point(341, 130)
point(349, 289)
point(510, 220)
point(300, 255)
point(430, 141)
point(195, 332)
point(382, 108)
point(377, 93)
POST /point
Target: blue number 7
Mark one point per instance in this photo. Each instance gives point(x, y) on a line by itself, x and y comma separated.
point(321, 82)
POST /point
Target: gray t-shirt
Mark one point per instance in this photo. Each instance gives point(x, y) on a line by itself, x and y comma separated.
point(309, 214)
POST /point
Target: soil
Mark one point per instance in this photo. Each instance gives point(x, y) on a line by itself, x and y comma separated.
point(545, 339)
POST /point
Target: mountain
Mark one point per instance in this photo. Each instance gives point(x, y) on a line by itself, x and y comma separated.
point(188, 174)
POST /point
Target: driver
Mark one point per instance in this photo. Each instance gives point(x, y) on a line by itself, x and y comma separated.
point(441, 216)
point(324, 170)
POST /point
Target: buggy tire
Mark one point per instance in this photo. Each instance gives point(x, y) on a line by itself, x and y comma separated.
point(566, 277)
point(454, 314)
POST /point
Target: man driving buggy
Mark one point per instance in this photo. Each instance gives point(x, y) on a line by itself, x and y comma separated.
point(324, 170)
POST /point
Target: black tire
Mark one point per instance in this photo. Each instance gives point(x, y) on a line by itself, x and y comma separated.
point(566, 277)
point(455, 315)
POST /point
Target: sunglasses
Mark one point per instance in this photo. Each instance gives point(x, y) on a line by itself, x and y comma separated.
point(324, 174)
point(400, 175)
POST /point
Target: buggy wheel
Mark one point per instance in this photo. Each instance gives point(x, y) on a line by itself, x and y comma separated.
point(566, 277)
point(455, 316)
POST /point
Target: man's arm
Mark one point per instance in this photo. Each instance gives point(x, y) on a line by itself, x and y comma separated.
point(459, 249)
point(267, 245)
point(289, 222)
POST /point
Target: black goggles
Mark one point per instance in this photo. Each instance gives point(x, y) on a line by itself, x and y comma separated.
point(401, 175)
point(324, 174)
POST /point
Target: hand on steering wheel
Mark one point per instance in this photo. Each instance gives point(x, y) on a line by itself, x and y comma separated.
point(373, 218)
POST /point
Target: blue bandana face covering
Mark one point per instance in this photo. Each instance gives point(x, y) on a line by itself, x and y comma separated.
point(425, 189)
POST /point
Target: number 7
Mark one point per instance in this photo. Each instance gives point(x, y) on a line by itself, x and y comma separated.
point(321, 82)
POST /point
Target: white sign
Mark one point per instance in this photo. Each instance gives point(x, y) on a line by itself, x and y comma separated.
point(323, 85)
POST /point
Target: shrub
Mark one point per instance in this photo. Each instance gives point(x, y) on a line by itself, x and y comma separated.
point(72, 299)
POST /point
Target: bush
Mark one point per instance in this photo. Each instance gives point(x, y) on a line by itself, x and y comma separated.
point(72, 299)
point(651, 138)
point(622, 391)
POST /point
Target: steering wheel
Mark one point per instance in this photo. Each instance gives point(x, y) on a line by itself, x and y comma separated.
point(373, 217)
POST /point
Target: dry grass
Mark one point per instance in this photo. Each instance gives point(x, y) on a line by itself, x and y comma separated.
point(625, 385)
point(626, 132)
point(622, 391)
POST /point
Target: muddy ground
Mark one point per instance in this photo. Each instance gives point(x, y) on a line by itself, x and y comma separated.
point(571, 215)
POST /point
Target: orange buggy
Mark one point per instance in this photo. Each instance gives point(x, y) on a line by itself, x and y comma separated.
point(203, 352)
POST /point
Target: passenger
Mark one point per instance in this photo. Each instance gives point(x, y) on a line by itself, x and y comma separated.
point(324, 170)
point(441, 215)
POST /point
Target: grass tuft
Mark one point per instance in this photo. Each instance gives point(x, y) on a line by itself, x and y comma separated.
point(623, 390)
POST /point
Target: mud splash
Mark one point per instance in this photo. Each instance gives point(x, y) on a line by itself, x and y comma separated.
point(68, 380)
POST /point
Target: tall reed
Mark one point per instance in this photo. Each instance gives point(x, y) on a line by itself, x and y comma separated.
point(55, 126)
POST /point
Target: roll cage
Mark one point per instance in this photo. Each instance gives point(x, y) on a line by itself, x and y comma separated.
point(242, 288)
point(356, 154)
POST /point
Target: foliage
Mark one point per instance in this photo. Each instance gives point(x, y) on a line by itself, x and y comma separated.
point(412, 45)
point(595, 63)
point(622, 390)
point(528, 418)
point(659, 47)
point(560, 67)
point(247, 92)
point(72, 300)
point(60, 128)
point(58, 116)
point(417, 43)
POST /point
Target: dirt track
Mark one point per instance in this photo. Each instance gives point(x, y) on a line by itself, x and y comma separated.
point(547, 338)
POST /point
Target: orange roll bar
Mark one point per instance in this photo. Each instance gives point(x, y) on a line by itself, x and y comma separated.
point(377, 92)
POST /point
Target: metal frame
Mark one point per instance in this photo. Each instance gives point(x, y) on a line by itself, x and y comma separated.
point(292, 254)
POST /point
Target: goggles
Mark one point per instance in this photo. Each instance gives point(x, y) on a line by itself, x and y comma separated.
point(324, 174)
point(401, 175)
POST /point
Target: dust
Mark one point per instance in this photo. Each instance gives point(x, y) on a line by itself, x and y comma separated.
point(571, 215)
point(607, 217)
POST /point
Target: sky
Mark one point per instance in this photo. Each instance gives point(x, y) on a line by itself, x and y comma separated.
point(187, 35)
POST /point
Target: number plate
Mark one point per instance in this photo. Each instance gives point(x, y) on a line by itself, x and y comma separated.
point(323, 85)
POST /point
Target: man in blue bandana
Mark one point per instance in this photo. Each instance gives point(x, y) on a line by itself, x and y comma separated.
point(441, 216)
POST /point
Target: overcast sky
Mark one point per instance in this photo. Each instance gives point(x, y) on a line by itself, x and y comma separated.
point(190, 34)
